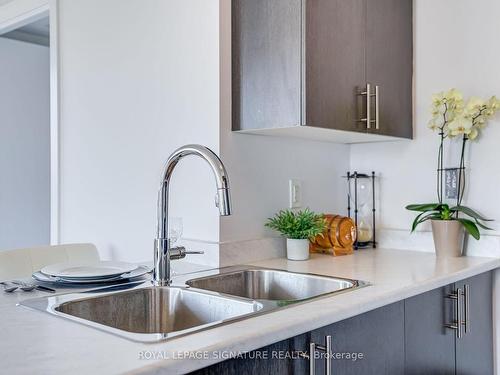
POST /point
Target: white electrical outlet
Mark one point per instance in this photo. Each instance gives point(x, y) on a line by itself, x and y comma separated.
point(295, 193)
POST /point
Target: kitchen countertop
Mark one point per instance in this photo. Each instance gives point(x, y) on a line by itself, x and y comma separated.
point(35, 342)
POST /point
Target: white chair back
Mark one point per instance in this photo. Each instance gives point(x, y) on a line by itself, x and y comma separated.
point(21, 263)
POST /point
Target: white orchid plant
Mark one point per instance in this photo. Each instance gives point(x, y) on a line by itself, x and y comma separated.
point(453, 117)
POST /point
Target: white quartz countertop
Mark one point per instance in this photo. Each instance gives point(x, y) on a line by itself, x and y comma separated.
point(33, 342)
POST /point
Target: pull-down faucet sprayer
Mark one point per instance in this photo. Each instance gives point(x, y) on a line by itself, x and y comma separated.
point(163, 250)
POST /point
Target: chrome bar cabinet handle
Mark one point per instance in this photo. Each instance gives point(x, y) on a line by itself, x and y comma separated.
point(466, 321)
point(456, 325)
point(459, 304)
point(327, 349)
point(368, 118)
point(377, 102)
point(328, 355)
point(311, 356)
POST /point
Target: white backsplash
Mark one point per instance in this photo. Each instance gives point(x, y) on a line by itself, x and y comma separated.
point(231, 253)
point(241, 252)
point(487, 246)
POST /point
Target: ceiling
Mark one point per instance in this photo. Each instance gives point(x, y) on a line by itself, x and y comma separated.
point(36, 32)
point(39, 28)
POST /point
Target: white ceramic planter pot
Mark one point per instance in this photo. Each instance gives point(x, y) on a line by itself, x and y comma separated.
point(448, 237)
point(297, 249)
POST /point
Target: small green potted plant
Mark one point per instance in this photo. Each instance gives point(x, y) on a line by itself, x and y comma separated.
point(298, 227)
point(454, 120)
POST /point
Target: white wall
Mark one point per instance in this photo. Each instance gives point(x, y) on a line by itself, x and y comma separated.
point(144, 79)
point(138, 79)
point(24, 145)
point(456, 45)
point(260, 168)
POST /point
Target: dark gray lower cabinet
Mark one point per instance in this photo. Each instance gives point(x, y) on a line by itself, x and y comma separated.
point(430, 347)
point(279, 358)
point(407, 337)
point(371, 343)
point(474, 351)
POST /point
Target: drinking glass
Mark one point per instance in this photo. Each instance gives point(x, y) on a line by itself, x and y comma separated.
point(175, 229)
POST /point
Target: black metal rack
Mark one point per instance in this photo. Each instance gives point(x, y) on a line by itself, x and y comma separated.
point(355, 176)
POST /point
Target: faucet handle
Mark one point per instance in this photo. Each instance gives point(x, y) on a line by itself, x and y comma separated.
point(189, 252)
point(180, 252)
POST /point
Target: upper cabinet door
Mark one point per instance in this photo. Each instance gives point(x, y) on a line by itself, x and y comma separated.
point(266, 63)
point(334, 63)
point(389, 64)
point(310, 62)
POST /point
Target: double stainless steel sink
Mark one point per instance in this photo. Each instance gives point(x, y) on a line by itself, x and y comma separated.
point(273, 285)
point(194, 302)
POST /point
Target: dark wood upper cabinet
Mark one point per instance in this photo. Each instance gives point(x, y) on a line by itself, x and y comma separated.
point(266, 63)
point(389, 63)
point(302, 66)
point(334, 63)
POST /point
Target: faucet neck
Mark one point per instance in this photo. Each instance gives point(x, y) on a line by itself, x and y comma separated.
point(162, 211)
point(161, 273)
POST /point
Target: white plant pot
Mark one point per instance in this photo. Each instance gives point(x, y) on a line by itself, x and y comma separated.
point(448, 237)
point(297, 249)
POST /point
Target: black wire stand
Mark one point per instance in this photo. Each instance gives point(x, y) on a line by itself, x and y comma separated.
point(355, 177)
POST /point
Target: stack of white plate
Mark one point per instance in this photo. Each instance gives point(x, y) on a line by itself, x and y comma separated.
point(92, 273)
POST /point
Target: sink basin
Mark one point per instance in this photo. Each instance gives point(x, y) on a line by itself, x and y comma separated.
point(153, 313)
point(144, 313)
point(275, 285)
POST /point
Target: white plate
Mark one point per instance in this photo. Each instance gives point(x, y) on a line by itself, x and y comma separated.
point(90, 271)
point(138, 272)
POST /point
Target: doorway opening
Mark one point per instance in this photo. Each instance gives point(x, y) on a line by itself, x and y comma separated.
point(25, 133)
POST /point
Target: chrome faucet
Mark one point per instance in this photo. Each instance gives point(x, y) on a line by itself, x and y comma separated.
point(163, 250)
